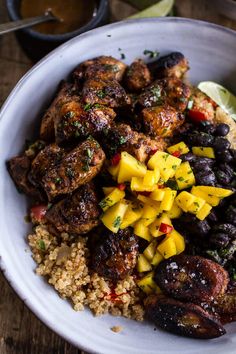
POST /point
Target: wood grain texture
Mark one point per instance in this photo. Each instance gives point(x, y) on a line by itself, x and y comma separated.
point(20, 331)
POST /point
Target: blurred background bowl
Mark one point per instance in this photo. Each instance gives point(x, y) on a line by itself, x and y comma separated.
point(36, 44)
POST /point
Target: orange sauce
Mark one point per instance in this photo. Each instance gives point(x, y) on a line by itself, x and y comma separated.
point(73, 14)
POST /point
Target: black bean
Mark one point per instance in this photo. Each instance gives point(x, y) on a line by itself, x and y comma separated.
point(202, 163)
point(219, 240)
point(233, 153)
point(227, 168)
point(223, 177)
point(199, 139)
point(205, 178)
point(207, 127)
point(230, 215)
point(228, 252)
point(222, 129)
point(188, 157)
point(212, 217)
point(221, 144)
point(224, 156)
point(227, 228)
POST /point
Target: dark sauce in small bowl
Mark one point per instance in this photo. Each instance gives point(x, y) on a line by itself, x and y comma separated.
point(72, 14)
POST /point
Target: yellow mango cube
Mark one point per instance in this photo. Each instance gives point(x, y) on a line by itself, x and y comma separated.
point(203, 151)
point(130, 167)
point(107, 190)
point(184, 200)
point(217, 192)
point(132, 214)
point(150, 250)
point(181, 147)
point(142, 264)
point(167, 201)
point(158, 258)
point(167, 247)
point(142, 231)
point(196, 205)
point(114, 170)
point(113, 217)
point(147, 284)
point(209, 198)
point(204, 211)
point(166, 163)
point(154, 227)
point(137, 185)
point(179, 241)
point(184, 176)
point(158, 195)
point(151, 178)
point(115, 196)
point(175, 212)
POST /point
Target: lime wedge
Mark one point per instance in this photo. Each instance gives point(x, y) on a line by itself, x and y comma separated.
point(162, 8)
point(225, 99)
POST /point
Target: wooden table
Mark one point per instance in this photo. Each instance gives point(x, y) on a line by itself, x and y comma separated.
point(20, 331)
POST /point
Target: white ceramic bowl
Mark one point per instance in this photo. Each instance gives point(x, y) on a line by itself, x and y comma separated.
point(211, 52)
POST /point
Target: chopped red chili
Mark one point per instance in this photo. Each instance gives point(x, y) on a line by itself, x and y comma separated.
point(176, 153)
point(115, 159)
point(197, 116)
point(165, 228)
point(38, 212)
point(121, 186)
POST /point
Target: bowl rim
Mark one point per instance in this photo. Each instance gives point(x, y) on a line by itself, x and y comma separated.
point(14, 283)
point(95, 21)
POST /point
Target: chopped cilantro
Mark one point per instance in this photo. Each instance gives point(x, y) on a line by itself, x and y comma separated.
point(117, 222)
point(69, 172)
point(151, 53)
point(190, 104)
point(101, 94)
point(122, 140)
point(88, 106)
point(174, 167)
point(41, 245)
point(180, 179)
point(58, 180)
point(69, 114)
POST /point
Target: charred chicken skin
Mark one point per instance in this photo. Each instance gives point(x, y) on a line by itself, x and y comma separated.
point(171, 65)
point(137, 76)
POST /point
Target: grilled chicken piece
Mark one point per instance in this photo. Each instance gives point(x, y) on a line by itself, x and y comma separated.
point(104, 68)
point(66, 94)
point(78, 167)
point(161, 121)
point(191, 278)
point(105, 92)
point(204, 104)
point(75, 119)
point(47, 158)
point(113, 256)
point(171, 65)
point(19, 168)
point(78, 213)
point(122, 138)
point(185, 319)
point(171, 90)
point(137, 76)
point(225, 304)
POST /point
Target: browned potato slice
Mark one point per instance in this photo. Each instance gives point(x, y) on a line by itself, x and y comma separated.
point(137, 76)
point(191, 278)
point(78, 167)
point(185, 319)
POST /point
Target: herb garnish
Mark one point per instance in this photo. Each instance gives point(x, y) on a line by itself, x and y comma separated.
point(58, 180)
point(117, 222)
point(41, 245)
point(101, 94)
point(151, 53)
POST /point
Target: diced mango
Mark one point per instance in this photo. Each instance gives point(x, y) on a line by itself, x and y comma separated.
point(209, 198)
point(151, 178)
point(166, 163)
point(147, 284)
point(181, 147)
point(108, 190)
point(115, 196)
point(179, 241)
point(142, 264)
point(184, 200)
point(132, 214)
point(158, 195)
point(130, 167)
point(158, 258)
point(167, 201)
point(150, 250)
point(113, 217)
point(184, 176)
point(150, 212)
point(154, 227)
point(203, 151)
point(142, 231)
point(204, 211)
point(175, 212)
point(217, 192)
point(167, 247)
point(196, 205)
point(114, 170)
point(138, 186)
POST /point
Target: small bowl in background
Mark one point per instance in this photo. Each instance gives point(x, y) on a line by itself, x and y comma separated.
point(227, 8)
point(36, 44)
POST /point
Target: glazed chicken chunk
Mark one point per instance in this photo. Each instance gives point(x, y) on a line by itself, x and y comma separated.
point(78, 167)
point(137, 76)
point(171, 65)
point(122, 138)
point(103, 68)
point(78, 213)
point(114, 255)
